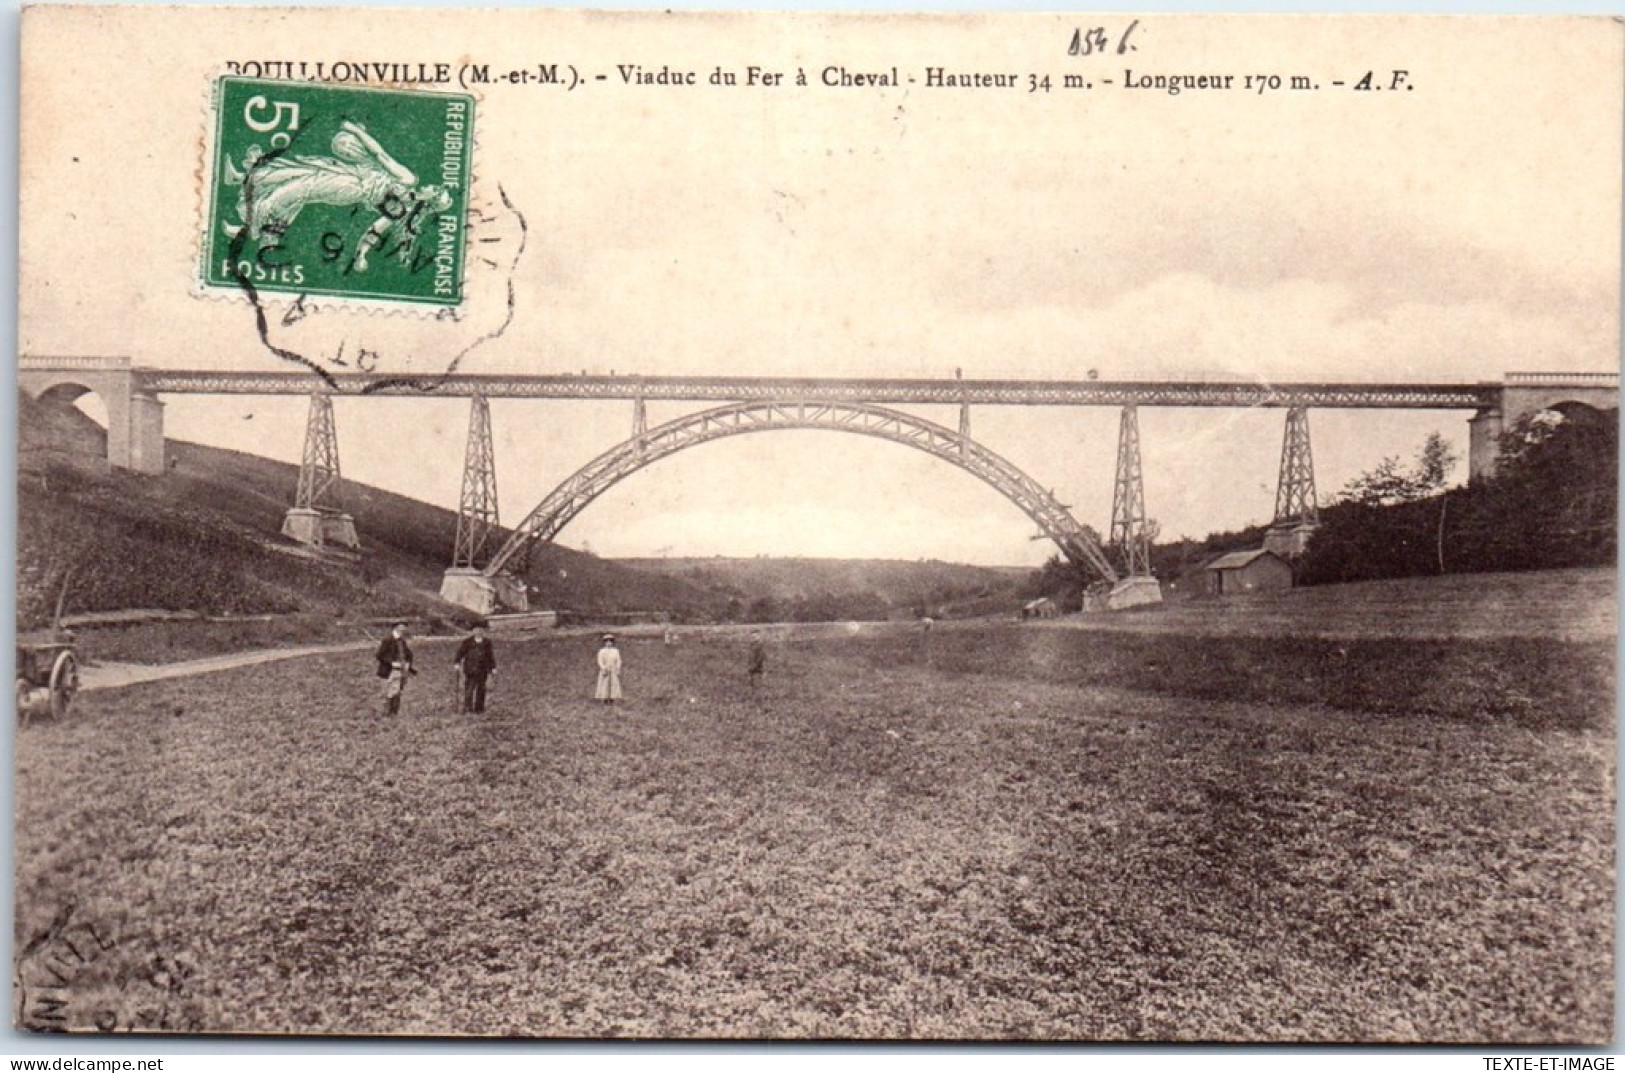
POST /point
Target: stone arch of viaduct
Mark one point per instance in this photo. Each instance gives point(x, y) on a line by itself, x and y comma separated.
point(135, 417)
point(1523, 394)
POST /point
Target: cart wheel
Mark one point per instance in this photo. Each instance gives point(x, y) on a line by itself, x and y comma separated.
point(64, 684)
point(23, 691)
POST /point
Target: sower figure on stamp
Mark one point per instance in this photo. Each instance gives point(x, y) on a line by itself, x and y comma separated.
point(609, 671)
point(276, 187)
point(394, 665)
point(476, 660)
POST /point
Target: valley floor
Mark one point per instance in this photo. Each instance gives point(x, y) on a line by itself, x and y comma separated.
point(990, 831)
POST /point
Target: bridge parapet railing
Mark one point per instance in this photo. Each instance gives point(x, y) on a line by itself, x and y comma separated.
point(34, 363)
point(1603, 380)
point(833, 390)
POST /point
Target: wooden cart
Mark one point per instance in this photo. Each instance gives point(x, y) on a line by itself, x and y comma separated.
point(47, 678)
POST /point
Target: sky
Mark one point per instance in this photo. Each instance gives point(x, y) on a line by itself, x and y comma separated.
point(1458, 230)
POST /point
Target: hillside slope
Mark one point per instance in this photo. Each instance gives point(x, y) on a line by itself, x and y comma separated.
point(205, 537)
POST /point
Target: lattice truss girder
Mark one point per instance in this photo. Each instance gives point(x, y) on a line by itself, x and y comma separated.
point(477, 517)
point(319, 487)
point(1128, 535)
point(872, 391)
point(592, 480)
point(1295, 500)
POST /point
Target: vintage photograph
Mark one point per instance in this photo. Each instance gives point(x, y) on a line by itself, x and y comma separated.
point(1174, 598)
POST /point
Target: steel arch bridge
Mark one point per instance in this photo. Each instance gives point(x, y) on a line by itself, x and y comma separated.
point(589, 482)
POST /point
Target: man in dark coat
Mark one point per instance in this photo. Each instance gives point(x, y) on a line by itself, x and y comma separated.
point(394, 666)
point(477, 660)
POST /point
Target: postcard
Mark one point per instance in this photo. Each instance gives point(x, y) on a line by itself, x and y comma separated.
point(1177, 599)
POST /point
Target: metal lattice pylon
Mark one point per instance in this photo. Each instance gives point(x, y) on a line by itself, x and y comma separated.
point(319, 469)
point(1295, 492)
point(477, 510)
point(1129, 537)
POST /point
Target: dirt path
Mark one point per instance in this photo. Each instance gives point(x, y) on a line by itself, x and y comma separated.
point(113, 675)
point(116, 675)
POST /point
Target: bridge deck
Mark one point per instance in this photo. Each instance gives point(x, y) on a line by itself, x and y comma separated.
point(1434, 396)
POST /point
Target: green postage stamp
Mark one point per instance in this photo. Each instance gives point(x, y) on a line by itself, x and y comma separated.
point(353, 192)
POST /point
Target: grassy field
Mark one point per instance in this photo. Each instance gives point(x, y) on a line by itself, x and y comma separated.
point(992, 831)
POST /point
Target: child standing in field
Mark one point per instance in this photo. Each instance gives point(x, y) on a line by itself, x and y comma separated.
point(609, 671)
point(757, 664)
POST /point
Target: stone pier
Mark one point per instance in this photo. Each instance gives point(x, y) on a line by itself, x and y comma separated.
point(470, 588)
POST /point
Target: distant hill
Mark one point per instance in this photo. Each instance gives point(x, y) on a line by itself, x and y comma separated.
point(763, 588)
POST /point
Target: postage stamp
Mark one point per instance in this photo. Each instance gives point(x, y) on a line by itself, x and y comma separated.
point(342, 191)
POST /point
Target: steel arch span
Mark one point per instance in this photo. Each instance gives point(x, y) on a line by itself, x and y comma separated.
point(592, 480)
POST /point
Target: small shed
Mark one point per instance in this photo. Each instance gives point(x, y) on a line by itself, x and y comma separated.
point(1259, 570)
point(1043, 607)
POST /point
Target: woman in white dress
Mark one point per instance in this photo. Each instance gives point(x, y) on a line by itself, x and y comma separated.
point(609, 671)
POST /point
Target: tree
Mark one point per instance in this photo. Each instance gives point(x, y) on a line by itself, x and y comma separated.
point(1387, 522)
point(1553, 503)
point(1060, 580)
point(1433, 465)
point(1387, 484)
point(1556, 492)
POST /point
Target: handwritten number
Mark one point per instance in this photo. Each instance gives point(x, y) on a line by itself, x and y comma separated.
point(1122, 42)
point(1096, 39)
point(1087, 42)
